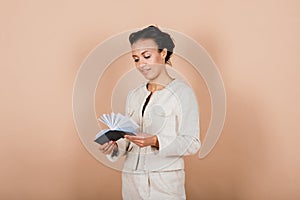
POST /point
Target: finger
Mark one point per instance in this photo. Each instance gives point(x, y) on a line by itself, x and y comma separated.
point(140, 143)
point(135, 140)
point(131, 137)
point(103, 146)
point(128, 137)
point(144, 135)
point(109, 147)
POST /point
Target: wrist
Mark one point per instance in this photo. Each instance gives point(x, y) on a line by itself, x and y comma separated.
point(155, 142)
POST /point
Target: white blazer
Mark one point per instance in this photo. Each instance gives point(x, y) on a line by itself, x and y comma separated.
point(171, 114)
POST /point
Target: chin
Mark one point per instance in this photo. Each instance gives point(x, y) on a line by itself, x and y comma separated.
point(147, 76)
point(150, 76)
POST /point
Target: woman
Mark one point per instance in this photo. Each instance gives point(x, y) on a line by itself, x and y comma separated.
point(167, 113)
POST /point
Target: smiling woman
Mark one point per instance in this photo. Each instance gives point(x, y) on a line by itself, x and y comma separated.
point(167, 112)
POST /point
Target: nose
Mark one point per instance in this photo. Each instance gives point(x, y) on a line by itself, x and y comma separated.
point(142, 63)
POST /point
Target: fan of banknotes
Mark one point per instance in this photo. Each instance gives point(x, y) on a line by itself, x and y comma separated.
point(118, 126)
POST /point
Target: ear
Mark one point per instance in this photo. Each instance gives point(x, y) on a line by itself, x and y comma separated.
point(163, 53)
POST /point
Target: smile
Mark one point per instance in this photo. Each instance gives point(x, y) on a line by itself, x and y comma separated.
point(145, 71)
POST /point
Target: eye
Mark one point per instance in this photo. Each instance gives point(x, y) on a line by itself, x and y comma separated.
point(135, 59)
point(147, 56)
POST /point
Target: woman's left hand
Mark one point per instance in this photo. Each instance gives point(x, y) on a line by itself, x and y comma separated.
point(143, 139)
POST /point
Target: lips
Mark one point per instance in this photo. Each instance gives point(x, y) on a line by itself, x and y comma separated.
point(145, 71)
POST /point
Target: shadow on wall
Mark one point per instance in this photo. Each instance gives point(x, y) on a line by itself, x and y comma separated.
point(236, 167)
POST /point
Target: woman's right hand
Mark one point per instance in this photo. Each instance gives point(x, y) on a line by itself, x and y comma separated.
point(108, 147)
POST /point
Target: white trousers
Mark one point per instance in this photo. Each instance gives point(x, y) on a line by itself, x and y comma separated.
point(154, 185)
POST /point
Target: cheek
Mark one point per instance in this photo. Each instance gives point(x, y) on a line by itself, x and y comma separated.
point(154, 61)
point(156, 69)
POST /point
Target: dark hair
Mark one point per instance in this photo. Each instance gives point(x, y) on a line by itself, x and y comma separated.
point(162, 39)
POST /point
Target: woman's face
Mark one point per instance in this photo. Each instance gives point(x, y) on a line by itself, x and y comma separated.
point(148, 60)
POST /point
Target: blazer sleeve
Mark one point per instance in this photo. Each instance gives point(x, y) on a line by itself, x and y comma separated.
point(187, 138)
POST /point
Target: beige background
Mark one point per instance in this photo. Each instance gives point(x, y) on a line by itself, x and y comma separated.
point(255, 44)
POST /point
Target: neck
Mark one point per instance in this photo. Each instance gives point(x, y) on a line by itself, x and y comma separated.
point(152, 87)
point(163, 79)
point(155, 85)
